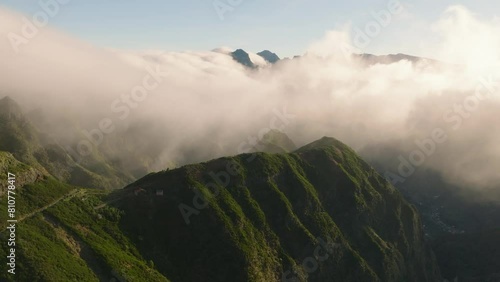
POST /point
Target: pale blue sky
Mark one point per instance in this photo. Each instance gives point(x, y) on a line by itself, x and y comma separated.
point(286, 27)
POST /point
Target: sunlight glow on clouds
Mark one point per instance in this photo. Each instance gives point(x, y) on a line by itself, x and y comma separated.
point(208, 103)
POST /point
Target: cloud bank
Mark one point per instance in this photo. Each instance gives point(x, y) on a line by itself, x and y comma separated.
point(181, 107)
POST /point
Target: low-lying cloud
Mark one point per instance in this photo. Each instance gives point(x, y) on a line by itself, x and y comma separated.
point(202, 105)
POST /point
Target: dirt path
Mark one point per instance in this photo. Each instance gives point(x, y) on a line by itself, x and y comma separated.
point(66, 197)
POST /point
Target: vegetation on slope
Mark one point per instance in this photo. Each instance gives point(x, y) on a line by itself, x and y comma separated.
point(318, 214)
point(65, 233)
point(34, 148)
point(270, 215)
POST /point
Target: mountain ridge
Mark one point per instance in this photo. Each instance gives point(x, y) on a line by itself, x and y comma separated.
point(242, 57)
point(282, 203)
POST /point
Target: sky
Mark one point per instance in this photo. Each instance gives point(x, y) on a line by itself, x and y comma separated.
point(286, 27)
point(204, 104)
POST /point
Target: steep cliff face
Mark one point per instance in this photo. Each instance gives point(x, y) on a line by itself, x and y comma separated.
point(318, 214)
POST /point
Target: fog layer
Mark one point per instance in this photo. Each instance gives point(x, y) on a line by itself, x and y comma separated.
point(181, 107)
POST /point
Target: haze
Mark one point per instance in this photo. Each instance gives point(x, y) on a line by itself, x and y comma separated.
point(203, 104)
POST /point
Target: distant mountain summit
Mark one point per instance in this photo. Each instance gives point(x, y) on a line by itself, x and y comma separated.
point(269, 56)
point(251, 60)
point(275, 141)
point(392, 58)
point(9, 108)
point(243, 58)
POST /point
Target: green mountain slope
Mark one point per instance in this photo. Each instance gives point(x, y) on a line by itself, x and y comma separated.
point(27, 144)
point(318, 214)
point(460, 221)
point(65, 233)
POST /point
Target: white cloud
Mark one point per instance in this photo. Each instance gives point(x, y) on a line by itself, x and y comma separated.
point(209, 103)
